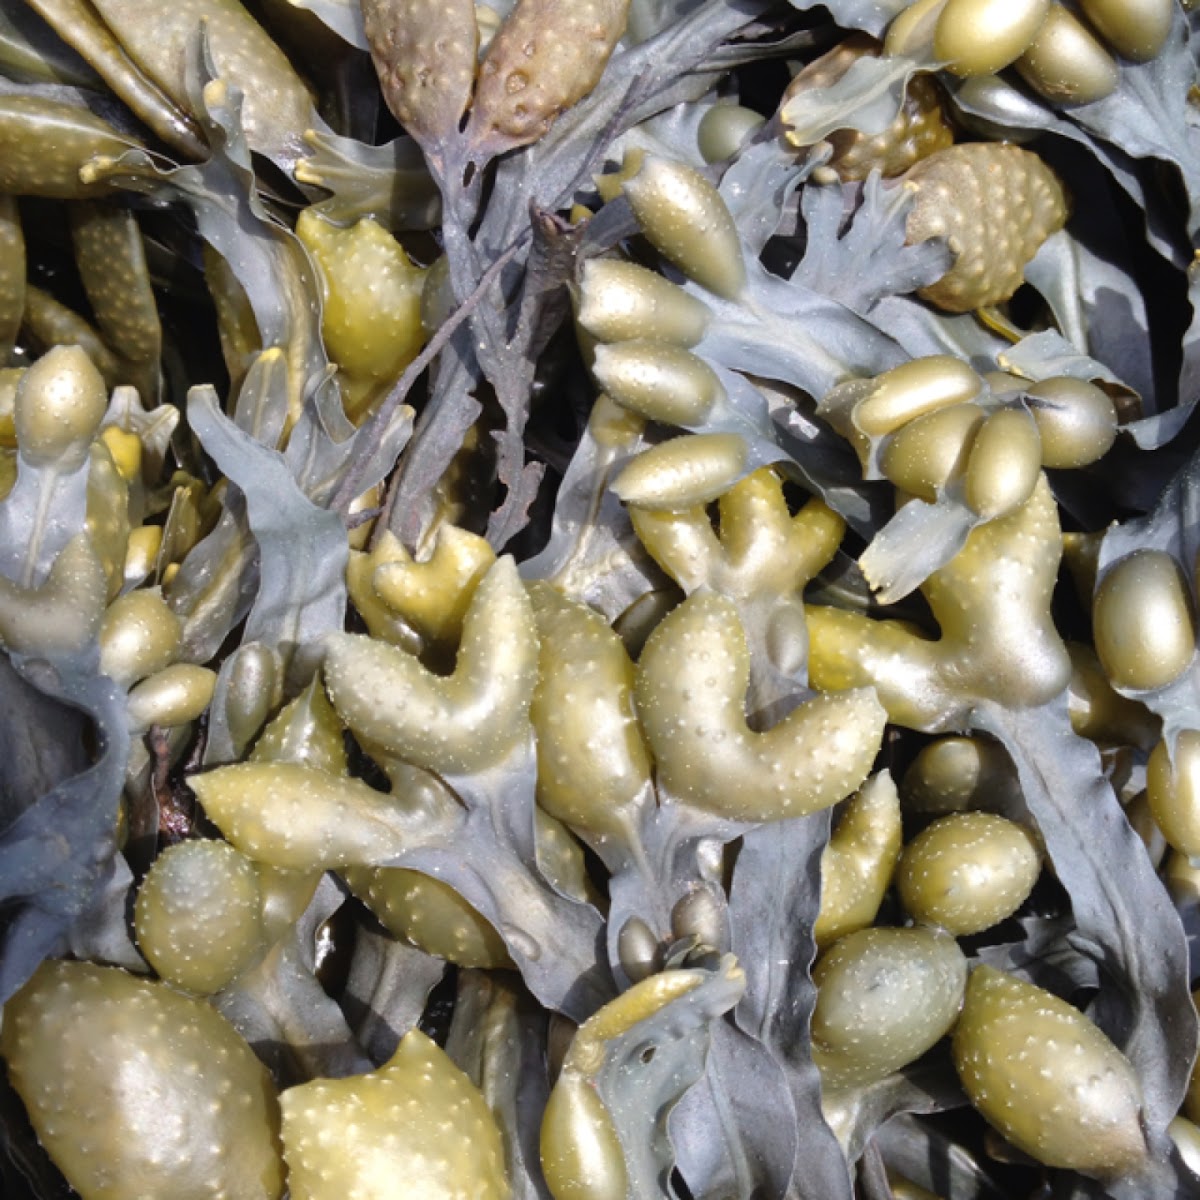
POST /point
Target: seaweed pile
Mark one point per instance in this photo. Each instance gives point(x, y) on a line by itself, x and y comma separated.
point(598, 600)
